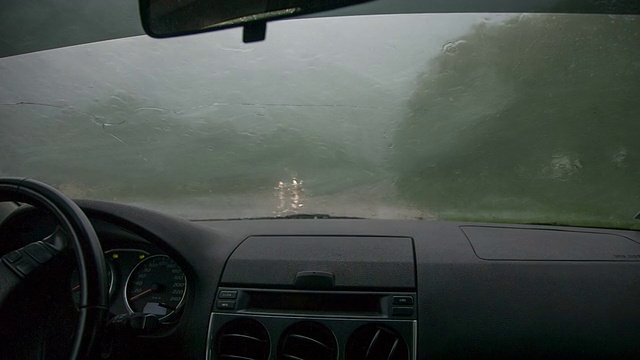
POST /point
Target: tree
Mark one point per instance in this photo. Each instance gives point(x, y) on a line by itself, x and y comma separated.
point(534, 118)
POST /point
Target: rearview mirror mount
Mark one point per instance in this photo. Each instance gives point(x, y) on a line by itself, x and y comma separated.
point(167, 18)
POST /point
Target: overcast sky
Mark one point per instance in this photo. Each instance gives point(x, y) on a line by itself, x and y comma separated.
point(387, 50)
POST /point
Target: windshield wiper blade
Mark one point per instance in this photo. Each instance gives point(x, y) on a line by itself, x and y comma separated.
point(291, 216)
point(313, 216)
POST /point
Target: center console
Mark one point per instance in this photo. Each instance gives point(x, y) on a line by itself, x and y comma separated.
point(316, 298)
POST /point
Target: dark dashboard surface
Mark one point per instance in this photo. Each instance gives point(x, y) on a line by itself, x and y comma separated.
point(427, 288)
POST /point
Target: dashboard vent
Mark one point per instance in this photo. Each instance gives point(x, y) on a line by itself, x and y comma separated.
point(307, 340)
point(243, 339)
point(376, 342)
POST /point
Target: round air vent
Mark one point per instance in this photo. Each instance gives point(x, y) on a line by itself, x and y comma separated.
point(376, 342)
point(244, 339)
point(307, 340)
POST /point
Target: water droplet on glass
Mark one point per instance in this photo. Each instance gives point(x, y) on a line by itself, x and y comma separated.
point(452, 48)
point(563, 165)
point(619, 158)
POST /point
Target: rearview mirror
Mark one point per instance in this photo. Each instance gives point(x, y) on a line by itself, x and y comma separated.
point(167, 18)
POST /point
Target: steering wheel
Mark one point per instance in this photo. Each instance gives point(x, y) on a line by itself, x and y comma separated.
point(74, 230)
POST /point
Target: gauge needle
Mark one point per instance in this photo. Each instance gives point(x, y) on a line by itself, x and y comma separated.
point(133, 298)
point(76, 288)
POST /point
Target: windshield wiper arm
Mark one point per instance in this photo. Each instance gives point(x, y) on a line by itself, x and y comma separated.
point(291, 216)
point(313, 216)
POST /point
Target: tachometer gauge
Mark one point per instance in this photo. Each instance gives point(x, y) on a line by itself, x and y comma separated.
point(75, 282)
point(157, 286)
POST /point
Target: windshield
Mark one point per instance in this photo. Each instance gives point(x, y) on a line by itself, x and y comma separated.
point(506, 118)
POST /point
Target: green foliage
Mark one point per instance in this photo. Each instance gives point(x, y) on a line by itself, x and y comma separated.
point(533, 119)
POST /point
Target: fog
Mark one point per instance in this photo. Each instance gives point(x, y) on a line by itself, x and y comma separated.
point(481, 117)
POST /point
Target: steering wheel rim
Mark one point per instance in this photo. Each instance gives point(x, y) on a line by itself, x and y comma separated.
point(94, 293)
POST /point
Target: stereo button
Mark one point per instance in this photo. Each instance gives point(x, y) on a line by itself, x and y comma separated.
point(226, 304)
point(227, 294)
point(402, 300)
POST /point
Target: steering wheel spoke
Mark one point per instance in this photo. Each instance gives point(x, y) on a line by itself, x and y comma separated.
point(8, 282)
point(19, 263)
point(29, 258)
point(74, 231)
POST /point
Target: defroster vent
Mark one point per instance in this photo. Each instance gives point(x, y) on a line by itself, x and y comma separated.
point(307, 340)
point(243, 339)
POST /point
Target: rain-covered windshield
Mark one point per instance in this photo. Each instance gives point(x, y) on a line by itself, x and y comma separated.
point(507, 118)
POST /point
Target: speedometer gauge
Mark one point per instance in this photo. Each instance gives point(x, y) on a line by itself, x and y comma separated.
point(157, 286)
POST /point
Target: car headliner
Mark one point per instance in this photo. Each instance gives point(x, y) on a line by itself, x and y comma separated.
point(37, 25)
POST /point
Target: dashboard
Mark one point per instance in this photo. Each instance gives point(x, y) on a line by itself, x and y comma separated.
point(363, 289)
point(142, 278)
